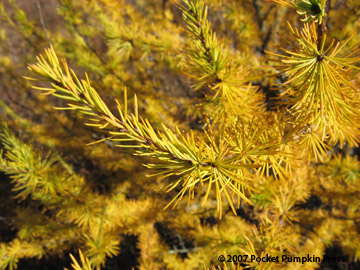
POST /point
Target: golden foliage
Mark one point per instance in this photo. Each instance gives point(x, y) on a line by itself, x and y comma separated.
point(196, 99)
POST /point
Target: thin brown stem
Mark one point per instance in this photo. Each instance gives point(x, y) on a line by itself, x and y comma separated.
point(321, 33)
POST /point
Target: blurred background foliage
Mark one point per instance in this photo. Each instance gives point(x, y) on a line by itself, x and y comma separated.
point(141, 45)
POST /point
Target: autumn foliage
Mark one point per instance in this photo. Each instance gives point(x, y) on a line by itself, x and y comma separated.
point(164, 134)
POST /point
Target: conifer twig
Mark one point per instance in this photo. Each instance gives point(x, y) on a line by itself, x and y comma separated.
point(194, 161)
